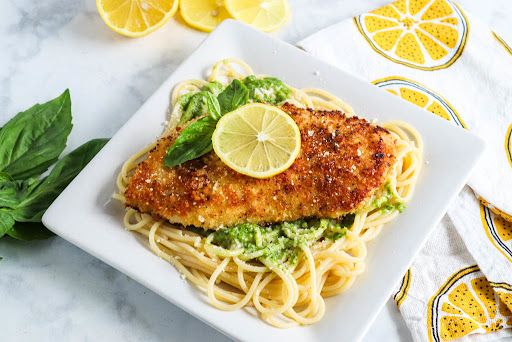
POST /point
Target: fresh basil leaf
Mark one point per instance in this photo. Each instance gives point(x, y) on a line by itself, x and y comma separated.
point(269, 90)
point(213, 106)
point(33, 140)
point(29, 231)
point(12, 193)
point(6, 222)
point(235, 95)
point(193, 142)
point(42, 193)
point(5, 177)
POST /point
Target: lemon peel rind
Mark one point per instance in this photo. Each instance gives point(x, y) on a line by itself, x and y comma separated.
point(131, 34)
point(453, 59)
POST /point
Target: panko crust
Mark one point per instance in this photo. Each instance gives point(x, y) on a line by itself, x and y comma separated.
point(342, 162)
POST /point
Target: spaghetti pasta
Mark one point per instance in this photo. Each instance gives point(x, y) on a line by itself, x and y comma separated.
point(284, 297)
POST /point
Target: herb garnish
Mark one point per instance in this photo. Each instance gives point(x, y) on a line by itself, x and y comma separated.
point(29, 144)
point(195, 140)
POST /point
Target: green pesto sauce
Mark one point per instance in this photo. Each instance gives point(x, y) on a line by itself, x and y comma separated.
point(194, 105)
point(269, 90)
point(388, 202)
point(278, 244)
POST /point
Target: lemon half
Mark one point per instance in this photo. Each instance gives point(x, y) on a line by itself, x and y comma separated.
point(136, 18)
point(266, 15)
point(257, 140)
point(203, 15)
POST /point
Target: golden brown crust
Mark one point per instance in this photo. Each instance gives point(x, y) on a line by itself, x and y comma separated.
point(342, 161)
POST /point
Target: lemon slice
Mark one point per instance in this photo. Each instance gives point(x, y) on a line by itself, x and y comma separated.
point(136, 18)
point(257, 140)
point(266, 15)
point(203, 15)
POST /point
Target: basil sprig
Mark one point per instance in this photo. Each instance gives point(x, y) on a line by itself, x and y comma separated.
point(29, 144)
point(196, 139)
point(193, 142)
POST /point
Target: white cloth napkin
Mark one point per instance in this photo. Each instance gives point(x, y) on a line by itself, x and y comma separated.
point(434, 54)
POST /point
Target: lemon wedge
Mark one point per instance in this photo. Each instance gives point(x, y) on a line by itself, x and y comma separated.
point(203, 15)
point(266, 15)
point(257, 140)
point(136, 18)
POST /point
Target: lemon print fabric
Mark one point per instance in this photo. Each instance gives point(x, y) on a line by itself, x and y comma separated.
point(508, 144)
point(421, 34)
point(467, 303)
point(502, 43)
point(400, 296)
point(498, 230)
point(421, 96)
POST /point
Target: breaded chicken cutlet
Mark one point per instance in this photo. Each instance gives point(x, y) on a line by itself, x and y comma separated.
point(342, 162)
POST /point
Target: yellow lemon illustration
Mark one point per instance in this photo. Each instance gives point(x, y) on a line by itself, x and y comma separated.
point(508, 144)
point(400, 296)
point(421, 34)
point(498, 230)
point(506, 297)
point(502, 43)
point(421, 96)
point(467, 304)
point(495, 210)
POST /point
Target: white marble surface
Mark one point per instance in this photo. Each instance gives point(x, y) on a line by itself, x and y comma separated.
point(53, 291)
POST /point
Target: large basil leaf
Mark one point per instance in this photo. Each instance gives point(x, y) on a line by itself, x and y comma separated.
point(43, 193)
point(6, 222)
point(235, 95)
point(29, 231)
point(33, 140)
point(193, 142)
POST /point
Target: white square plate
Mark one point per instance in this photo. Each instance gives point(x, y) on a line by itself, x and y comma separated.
point(85, 215)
